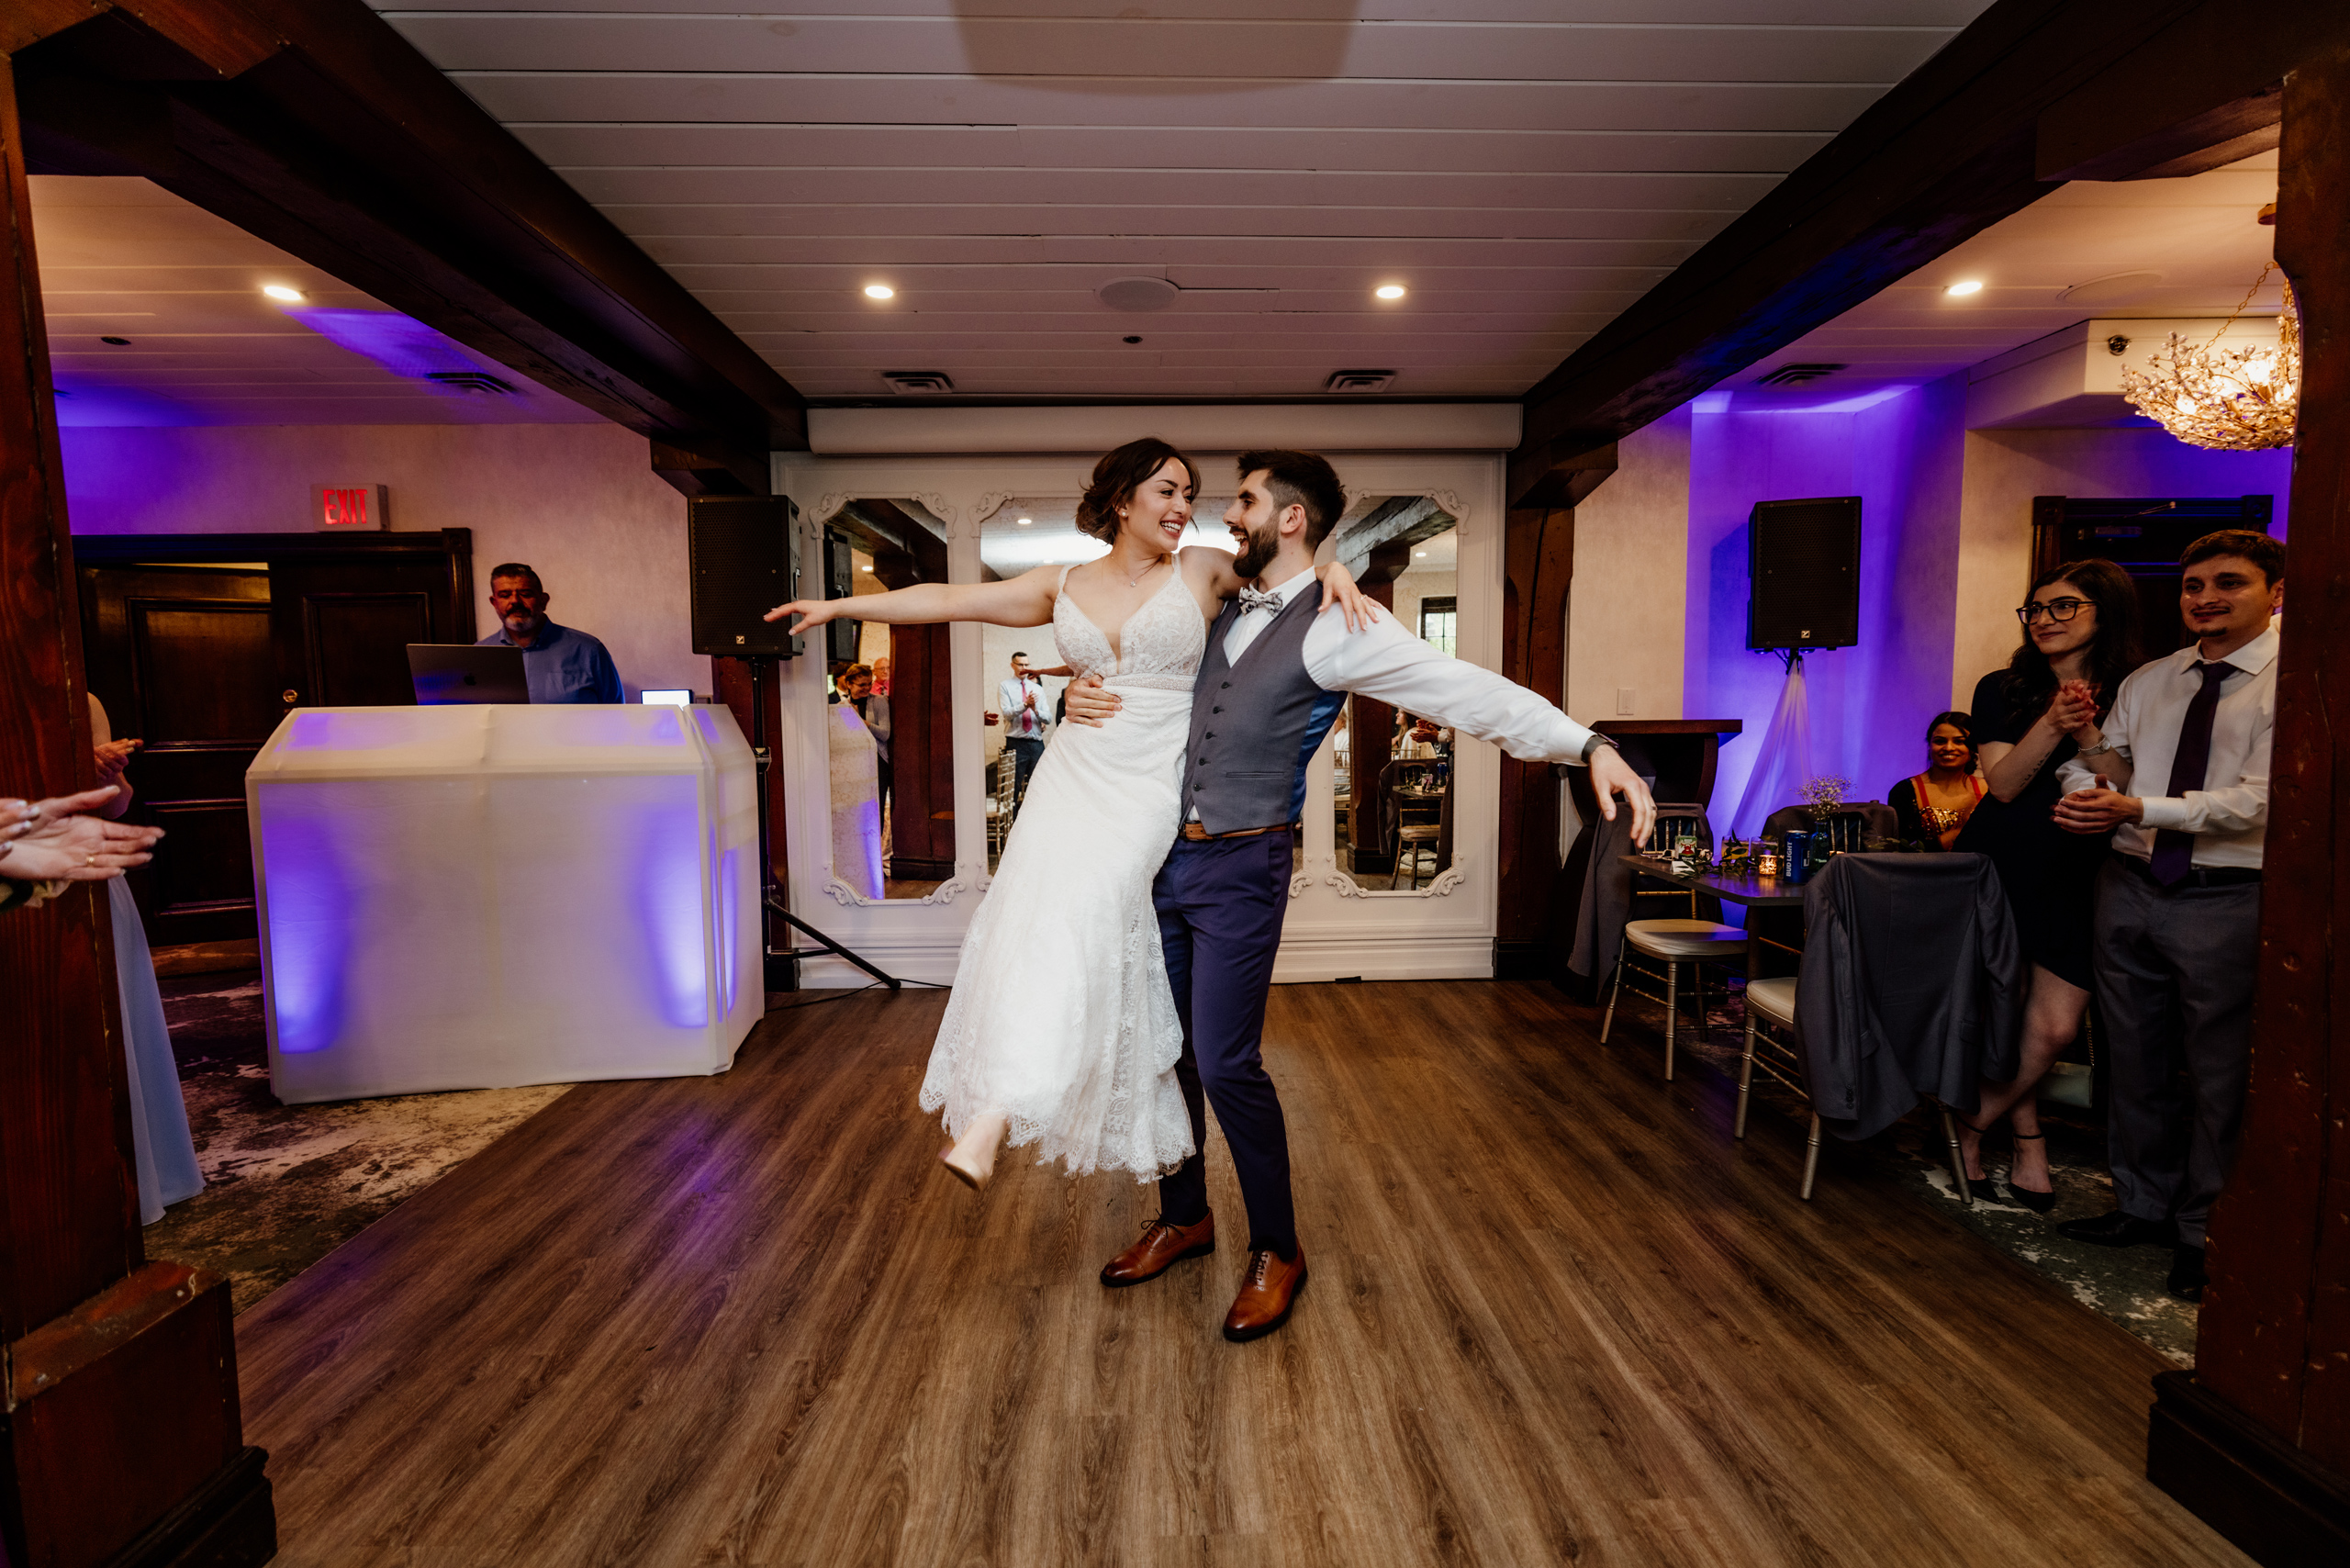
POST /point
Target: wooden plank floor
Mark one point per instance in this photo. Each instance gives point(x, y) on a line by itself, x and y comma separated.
point(1556, 1314)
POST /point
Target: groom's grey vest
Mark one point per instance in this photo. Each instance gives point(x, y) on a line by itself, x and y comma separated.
point(1256, 724)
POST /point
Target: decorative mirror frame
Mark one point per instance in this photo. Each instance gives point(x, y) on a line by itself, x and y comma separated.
point(1443, 930)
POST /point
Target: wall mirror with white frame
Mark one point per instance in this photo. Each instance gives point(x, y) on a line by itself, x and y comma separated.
point(889, 731)
point(1392, 783)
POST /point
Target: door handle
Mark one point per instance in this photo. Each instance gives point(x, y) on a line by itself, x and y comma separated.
point(289, 695)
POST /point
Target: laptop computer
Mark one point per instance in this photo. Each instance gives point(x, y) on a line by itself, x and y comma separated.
point(445, 673)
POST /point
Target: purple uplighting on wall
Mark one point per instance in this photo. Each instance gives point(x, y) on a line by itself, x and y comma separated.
point(1901, 453)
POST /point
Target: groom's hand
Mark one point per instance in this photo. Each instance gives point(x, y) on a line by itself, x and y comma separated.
point(1089, 701)
point(1611, 776)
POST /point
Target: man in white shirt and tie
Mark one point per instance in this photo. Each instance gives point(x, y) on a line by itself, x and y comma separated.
point(2179, 773)
point(1026, 717)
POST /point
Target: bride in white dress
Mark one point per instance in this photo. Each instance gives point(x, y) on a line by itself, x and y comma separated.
point(1061, 1031)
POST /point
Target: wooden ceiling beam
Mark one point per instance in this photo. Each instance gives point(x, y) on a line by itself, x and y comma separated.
point(1949, 152)
point(312, 124)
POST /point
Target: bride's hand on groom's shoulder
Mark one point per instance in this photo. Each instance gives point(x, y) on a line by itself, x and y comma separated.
point(811, 613)
point(1339, 593)
point(1089, 701)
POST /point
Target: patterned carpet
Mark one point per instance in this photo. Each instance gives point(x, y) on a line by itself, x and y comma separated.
point(286, 1184)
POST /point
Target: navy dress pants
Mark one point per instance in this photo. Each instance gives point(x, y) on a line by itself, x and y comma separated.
point(1220, 904)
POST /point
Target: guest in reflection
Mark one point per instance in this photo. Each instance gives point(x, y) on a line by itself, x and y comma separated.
point(561, 664)
point(1425, 737)
point(882, 676)
point(1026, 723)
point(1933, 806)
point(2080, 638)
point(859, 688)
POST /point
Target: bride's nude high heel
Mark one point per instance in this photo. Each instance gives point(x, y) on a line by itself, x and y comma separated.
point(971, 1159)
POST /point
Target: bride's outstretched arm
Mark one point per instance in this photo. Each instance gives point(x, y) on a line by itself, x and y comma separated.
point(1023, 600)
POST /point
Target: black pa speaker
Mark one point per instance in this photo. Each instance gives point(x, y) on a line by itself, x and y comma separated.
point(1804, 574)
point(742, 566)
point(841, 637)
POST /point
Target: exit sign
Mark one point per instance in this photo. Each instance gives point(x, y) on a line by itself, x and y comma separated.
point(346, 508)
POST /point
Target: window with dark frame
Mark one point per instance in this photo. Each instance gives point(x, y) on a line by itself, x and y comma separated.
point(1440, 623)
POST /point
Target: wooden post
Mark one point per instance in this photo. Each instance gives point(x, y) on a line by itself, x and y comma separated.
point(122, 1434)
point(2257, 1439)
point(1538, 547)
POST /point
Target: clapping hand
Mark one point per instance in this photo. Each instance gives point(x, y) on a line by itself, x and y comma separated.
point(2101, 810)
point(2074, 708)
point(56, 840)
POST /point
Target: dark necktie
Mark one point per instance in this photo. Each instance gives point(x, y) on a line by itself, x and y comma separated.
point(2173, 854)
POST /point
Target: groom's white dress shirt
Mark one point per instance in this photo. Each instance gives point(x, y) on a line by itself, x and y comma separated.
point(1387, 664)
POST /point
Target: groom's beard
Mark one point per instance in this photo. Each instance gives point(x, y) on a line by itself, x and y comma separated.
point(1250, 562)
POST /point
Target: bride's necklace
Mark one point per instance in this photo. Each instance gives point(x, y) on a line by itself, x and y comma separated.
point(1136, 581)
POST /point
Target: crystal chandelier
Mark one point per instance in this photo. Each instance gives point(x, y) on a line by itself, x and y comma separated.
point(2234, 399)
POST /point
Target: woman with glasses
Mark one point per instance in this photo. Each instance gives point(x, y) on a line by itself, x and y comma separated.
point(2080, 637)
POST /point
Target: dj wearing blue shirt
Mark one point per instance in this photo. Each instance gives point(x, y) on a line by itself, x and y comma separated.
point(561, 665)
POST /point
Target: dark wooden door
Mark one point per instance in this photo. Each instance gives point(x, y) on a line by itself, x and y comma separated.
point(203, 661)
point(343, 627)
point(184, 659)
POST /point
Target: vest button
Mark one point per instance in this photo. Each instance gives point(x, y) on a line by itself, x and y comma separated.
point(1216, 709)
point(1227, 686)
point(1209, 736)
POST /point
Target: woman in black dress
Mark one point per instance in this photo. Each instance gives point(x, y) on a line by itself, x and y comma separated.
point(1934, 806)
point(2080, 637)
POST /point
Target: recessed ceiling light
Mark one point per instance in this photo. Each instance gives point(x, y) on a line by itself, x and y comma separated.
point(1420, 554)
point(1024, 521)
point(279, 291)
point(1961, 290)
point(1389, 291)
point(880, 291)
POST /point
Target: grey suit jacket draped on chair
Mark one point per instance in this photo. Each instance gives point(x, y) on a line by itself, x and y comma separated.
point(1912, 983)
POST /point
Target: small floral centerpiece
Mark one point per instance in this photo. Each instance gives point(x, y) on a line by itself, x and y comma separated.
point(1823, 795)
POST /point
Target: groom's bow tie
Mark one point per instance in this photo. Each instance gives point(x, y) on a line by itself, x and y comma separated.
point(1251, 599)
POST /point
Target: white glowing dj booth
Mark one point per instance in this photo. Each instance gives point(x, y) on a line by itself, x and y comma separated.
point(481, 897)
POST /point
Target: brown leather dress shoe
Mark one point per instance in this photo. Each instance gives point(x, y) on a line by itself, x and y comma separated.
point(1158, 1248)
point(1267, 1292)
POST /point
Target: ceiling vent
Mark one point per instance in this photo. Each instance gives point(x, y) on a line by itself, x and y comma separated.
point(1137, 294)
point(473, 383)
point(917, 383)
point(1796, 375)
point(1359, 381)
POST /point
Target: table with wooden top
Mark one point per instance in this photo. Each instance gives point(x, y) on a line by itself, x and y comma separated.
point(1737, 887)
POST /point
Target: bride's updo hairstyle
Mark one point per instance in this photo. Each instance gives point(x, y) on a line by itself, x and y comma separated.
point(1117, 477)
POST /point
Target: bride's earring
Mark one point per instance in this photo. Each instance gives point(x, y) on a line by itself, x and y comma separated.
point(971, 1159)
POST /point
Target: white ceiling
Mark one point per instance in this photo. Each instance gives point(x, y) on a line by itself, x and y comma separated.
point(1526, 168)
point(120, 257)
point(2201, 235)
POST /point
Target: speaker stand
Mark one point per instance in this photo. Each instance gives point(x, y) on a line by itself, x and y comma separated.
point(771, 897)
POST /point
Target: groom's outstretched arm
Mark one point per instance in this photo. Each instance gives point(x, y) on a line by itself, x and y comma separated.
point(1388, 664)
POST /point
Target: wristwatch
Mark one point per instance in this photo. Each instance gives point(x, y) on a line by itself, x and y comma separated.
point(1594, 744)
point(2102, 746)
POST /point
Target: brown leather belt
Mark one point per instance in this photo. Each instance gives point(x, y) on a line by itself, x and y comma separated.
point(1199, 834)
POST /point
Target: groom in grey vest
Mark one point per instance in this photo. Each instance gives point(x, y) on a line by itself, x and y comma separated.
point(1273, 681)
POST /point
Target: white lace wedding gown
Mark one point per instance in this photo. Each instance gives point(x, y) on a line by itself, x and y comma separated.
point(1062, 1018)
